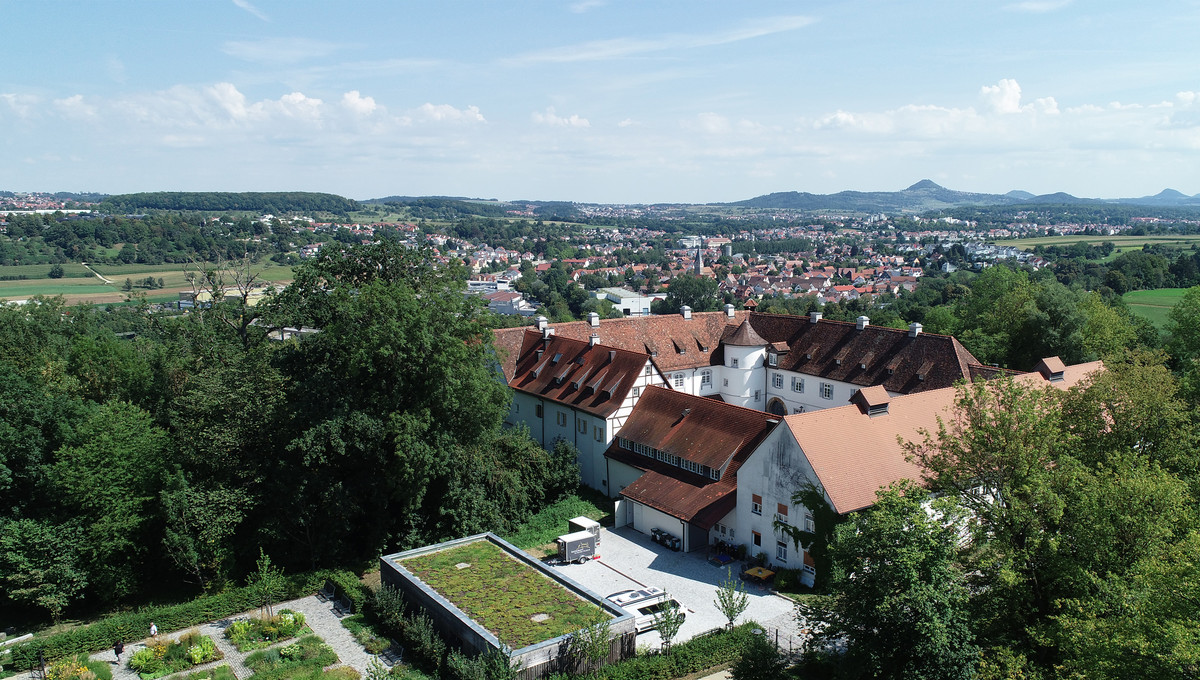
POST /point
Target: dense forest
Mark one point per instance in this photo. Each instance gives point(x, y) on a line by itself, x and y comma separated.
point(275, 203)
point(140, 450)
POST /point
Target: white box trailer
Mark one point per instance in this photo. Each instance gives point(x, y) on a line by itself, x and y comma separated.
point(577, 547)
point(584, 524)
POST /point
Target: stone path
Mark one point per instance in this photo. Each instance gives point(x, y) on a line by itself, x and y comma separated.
point(317, 614)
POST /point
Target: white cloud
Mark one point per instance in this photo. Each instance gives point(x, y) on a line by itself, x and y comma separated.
point(554, 120)
point(20, 104)
point(359, 104)
point(445, 112)
point(626, 123)
point(1037, 6)
point(243, 4)
point(297, 105)
point(616, 48)
point(710, 123)
point(1004, 97)
point(75, 107)
point(278, 50)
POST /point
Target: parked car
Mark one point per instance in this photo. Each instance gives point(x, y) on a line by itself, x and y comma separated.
point(644, 604)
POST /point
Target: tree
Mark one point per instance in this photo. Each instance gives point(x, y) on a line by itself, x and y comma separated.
point(815, 542)
point(40, 566)
point(1183, 328)
point(591, 645)
point(267, 583)
point(898, 596)
point(759, 660)
point(200, 523)
point(668, 621)
point(732, 599)
point(56, 272)
point(697, 292)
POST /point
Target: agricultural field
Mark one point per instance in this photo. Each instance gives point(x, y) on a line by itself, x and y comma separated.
point(1123, 243)
point(79, 285)
point(1153, 304)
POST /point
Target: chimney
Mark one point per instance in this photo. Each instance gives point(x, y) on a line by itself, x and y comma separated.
point(863, 322)
point(547, 333)
point(686, 312)
point(541, 322)
point(814, 317)
point(914, 329)
point(729, 311)
point(593, 339)
point(593, 319)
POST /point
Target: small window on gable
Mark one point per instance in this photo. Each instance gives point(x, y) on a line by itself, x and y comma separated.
point(733, 362)
point(772, 359)
point(637, 391)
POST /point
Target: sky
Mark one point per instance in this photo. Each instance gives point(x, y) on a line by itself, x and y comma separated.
point(600, 101)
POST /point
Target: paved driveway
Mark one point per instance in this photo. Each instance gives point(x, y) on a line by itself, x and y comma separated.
point(629, 559)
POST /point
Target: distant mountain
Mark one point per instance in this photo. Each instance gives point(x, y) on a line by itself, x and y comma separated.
point(929, 195)
point(922, 196)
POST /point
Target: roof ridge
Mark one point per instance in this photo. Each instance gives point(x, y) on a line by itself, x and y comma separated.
point(723, 404)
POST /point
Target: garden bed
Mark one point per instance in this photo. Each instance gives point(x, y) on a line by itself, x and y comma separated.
point(79, 668)
point(256, 633)
point(366, 634)
point(164, 657)
point(301, 660)
point(219, 673)
point(512, 600)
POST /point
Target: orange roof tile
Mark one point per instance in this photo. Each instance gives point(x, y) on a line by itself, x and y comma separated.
point(594, 379)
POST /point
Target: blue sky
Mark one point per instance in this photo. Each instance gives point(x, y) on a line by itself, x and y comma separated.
point(591, 100)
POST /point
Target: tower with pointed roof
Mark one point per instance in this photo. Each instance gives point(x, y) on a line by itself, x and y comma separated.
point(742, 380)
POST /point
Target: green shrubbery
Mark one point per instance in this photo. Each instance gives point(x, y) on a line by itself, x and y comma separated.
point(301, 659)
point(164, 657)
point(218, 673)
point(551, 522)
point(79, 668)
point(349, 586)
point(253, 633)
point(698, 654)
point(134, 625)
point(365, 633)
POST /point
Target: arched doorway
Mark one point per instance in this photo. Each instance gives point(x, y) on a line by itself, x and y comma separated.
point(777, 407)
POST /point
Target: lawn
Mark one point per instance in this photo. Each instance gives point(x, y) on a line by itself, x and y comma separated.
point(42, 271)
point(537, 535)
point(1153, 304)
point(504, 595)
point(90, 289)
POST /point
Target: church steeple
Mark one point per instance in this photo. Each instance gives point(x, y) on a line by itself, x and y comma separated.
point(699, 260)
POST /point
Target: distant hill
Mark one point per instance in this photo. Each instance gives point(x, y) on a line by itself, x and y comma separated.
point(276, 203)
point(922, 196)
point(929, 195)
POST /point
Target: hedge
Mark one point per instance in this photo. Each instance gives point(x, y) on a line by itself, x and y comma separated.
point(698, 654)
point(129, 626)
point(349, 586)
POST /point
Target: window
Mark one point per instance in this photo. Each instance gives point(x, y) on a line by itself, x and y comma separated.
point(678, 380)
point(582, 427)
point(756, 504)
point(756, 539)
point(781, 513)
point(598, 433)
point(649, 368)
point(706, 378)
point(538, 410)
point(637, 391)
point(726, 382)
point(826, 391)
point(809, 525)
point(714, 473)
point(690, 466)
point(733, 362)
point(757, 395)
point(561, 418)
point(798, 385)
point(781, 551)
point(721, 529)
point(777, 380)
point(772, 359)
point(853, 391)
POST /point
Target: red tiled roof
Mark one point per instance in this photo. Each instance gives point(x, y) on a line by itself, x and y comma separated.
point(745, 336)
point(701, 430)
point(854, 455)
point(901, 363)
point(594, 379)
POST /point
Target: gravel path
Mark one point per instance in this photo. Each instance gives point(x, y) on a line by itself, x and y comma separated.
point(318, 615)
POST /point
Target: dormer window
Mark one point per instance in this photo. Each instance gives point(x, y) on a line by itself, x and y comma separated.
point(772, 359)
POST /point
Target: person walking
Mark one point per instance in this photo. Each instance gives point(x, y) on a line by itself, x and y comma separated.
point(118, 650)
point(153, 630)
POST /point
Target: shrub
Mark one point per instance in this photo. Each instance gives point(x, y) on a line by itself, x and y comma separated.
point(133, 625)
point(247, 634)
point(423, 641)
point(387, 606)
point(365, 634)
point(350, 587)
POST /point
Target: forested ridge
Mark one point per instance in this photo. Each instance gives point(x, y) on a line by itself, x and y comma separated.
point(126, 464)
point(273, 202)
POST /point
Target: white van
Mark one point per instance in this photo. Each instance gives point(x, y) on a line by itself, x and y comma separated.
point(644, 604)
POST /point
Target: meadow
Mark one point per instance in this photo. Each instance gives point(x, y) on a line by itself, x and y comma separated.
point(79, 285)
point(1123, 243)
point(1153, 304)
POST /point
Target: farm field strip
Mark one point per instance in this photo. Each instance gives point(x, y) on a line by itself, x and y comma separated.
point(1123, 242)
